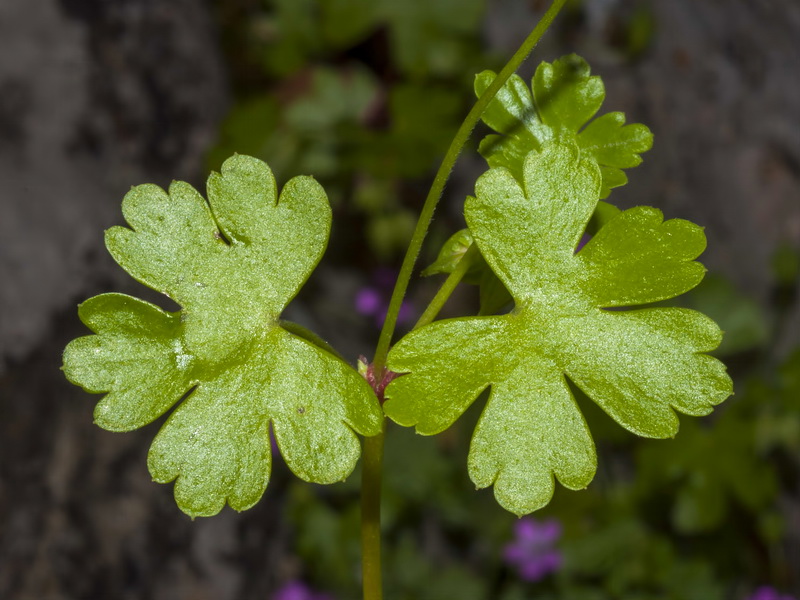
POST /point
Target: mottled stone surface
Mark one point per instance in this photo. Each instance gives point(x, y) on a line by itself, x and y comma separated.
point(95, 96)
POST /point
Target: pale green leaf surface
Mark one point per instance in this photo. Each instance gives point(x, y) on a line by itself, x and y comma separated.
point(639, 365)
point(637, 259)
point(451, 253)
point(134, 358)
point(566, 93)
point(563, 97)
point(232, 264)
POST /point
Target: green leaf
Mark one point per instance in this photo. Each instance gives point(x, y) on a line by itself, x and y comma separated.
point(335, 97)
point(297, 36)
point(640, 366)
point(345, 23)
point(451, 253)
point(493, 294)
point(566, 94)
point(563, 97)
point(232, 265)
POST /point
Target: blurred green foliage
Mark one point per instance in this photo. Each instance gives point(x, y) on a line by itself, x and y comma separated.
point(363, 94)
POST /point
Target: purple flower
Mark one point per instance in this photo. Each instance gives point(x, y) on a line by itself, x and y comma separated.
point(766, 592)
point(369, 301)
point(297, 590)
point(532, 552)
point(373, 300)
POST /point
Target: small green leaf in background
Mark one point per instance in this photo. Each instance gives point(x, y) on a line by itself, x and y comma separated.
point(741, 318)
point(628, 560)
point(232, 264)
point(562, 98)
point(431, 37)
point(293, 31)
point(451, 253)
point(347, 22)
point(333, 97)
point(638, 365)
point(786, 264)
point(707, 471)
point(777, 423)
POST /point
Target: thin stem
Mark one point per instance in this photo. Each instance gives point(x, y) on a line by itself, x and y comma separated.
point(435, 193)
point(372, 469)
point(447, 287)
point(371, 479)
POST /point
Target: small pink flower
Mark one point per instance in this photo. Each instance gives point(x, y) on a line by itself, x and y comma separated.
point(297, 590)
point(532, 552)
point(368, 301)
point(766, 592)
point(373, 300)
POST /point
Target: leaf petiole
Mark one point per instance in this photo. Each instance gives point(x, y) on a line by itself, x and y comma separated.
point(449, 285)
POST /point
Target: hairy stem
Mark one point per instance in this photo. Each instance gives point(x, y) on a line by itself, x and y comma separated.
point(443, 174)
point(371, 479)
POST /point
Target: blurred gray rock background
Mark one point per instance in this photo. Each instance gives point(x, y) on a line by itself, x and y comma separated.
point(94, 97)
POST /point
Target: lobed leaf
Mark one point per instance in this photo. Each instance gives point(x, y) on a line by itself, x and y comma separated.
point(639, 365)
point(562, 98)
point(232, 264)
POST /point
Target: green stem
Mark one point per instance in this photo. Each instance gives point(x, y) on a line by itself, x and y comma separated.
point(372, 468)
point(435, 193)
point(371, 478)
point(447, 287)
